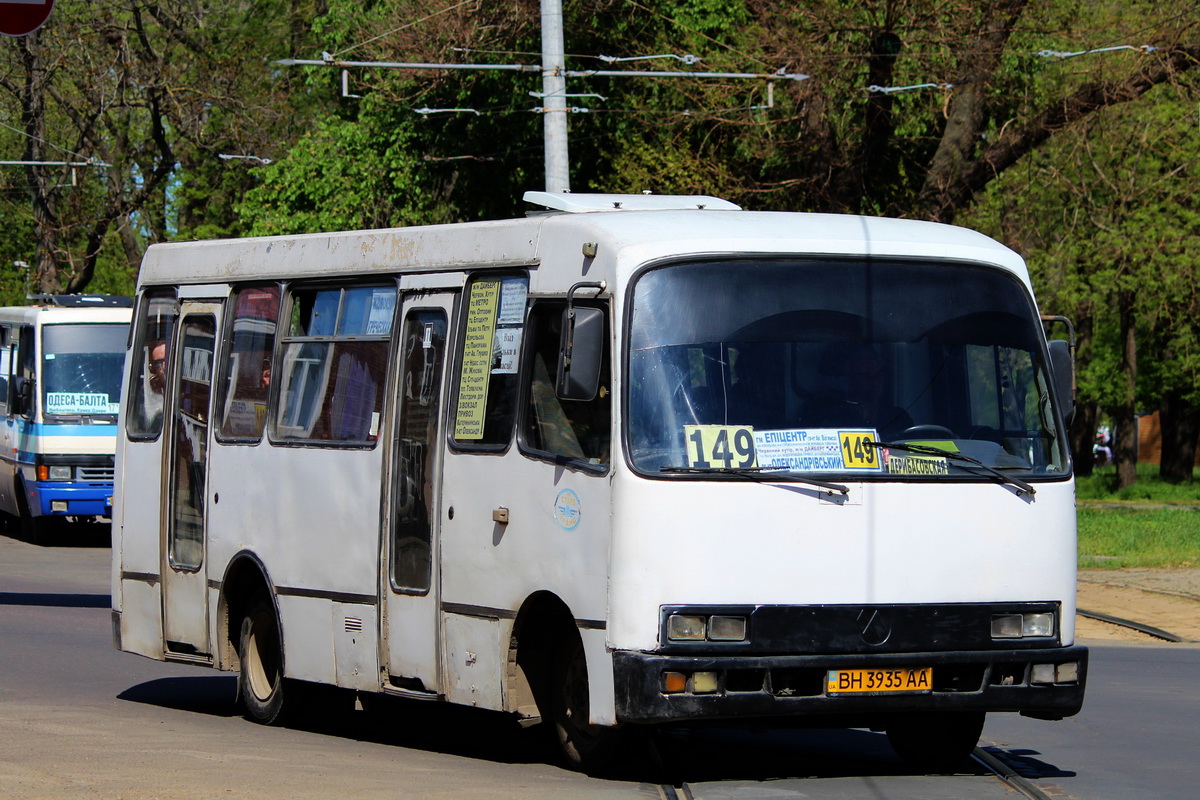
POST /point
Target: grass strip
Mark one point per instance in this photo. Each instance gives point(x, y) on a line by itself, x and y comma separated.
point(1115, 538)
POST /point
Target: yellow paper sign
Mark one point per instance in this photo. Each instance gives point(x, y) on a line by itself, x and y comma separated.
point(720, 447)
point(858, 450)
point(477, 359)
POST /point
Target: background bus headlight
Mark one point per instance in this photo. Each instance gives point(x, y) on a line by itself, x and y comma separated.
point(47, 473)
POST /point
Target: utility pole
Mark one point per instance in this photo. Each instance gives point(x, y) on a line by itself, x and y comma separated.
point(554, 86)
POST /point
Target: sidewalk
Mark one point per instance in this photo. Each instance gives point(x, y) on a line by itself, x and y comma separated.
point(1165, 598)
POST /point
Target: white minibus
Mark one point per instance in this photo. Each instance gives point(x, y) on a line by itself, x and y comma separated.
point(60, 383)
point(625, 462)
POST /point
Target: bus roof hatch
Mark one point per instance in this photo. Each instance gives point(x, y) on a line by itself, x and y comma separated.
point(575, 203)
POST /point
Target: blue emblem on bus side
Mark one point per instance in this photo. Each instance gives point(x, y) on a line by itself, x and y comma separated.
point(567, 509)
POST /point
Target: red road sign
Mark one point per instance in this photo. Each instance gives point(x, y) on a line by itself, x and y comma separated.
point(22, 17)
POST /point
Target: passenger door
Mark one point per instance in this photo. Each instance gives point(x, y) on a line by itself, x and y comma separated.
point(412, 492)
point(8, 426)
point(185, 607)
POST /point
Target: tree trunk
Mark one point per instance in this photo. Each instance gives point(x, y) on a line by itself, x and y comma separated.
point(1180, 422)
point(1125, 416)
point(1082, 435)
point(33, 120)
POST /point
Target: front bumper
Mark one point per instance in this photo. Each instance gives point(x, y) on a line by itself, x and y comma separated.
point(780, 686)
point(72, 499)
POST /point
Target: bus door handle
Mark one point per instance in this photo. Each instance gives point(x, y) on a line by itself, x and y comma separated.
point(500, 515)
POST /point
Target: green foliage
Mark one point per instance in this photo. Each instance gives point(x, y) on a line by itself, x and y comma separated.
point(344, 176)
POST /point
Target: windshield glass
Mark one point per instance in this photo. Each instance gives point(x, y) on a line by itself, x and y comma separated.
point(81, 368)
point(800, 366)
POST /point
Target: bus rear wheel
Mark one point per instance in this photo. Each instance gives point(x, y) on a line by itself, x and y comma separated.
point(260, 650)
point(587, 747)
point(936, 742)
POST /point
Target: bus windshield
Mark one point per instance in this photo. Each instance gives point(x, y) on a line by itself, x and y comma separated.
point(81, 368)
point(806, 367)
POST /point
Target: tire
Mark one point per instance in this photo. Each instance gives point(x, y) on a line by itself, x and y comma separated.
point(588, 748)
point(260, 650)
point(936, 742)
point(35, 530)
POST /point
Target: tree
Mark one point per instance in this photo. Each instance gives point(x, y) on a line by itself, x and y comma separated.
point(146, 92)
point(1108, 220)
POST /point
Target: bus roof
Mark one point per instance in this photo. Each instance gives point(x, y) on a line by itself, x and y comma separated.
point(626, 231)
point(55, 315)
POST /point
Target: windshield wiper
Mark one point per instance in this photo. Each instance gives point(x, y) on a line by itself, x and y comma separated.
point(755, 473)
point(927, 450)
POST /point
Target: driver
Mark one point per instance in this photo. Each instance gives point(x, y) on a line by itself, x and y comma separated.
point(866, 404)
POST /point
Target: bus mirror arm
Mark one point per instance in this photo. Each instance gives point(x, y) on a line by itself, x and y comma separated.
point(581, 348)
point(1062, 363)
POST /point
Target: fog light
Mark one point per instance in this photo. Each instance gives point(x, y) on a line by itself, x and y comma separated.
point(685, 628)
point(60, 473)
point(1037, 625)
point(727, 629)
point(673, 682)
point(704, 682)
point(1067, 673)
point(1042, 673)
point(1006, 626)
point(59, 506)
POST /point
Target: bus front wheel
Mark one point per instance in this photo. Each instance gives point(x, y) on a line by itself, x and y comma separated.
point(936, 742)
point(589, 748)
point(35, 530)
point(260, 650)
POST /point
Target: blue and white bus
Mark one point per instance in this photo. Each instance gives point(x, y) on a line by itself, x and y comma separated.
point(60, 385)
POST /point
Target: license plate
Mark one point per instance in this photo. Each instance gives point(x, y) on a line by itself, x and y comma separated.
point(878, 681)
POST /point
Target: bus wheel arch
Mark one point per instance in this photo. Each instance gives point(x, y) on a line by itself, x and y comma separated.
point(540, 624)
point(245, 583)
point(548, 668)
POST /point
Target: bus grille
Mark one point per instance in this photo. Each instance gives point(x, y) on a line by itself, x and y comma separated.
point(96, 474)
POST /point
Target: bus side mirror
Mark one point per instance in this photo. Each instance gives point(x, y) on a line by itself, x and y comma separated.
point(580, 353)
point(23, 397)
point(1063, 366)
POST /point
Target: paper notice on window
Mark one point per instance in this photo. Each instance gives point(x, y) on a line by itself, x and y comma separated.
point(482, 308)
point(383, 308)
point(510, 324)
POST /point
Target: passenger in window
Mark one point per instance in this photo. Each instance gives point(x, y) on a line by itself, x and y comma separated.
point(156, 386)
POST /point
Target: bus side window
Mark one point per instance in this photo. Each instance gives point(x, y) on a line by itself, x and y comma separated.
point(493, 329)
point(334, 364)
point(5, 367)
point(25, 373)
point(150, 364)
point(578, 430)
point(247, 373)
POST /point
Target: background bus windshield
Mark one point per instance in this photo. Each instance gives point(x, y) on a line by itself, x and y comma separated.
point(803, 365)
point(81, 368)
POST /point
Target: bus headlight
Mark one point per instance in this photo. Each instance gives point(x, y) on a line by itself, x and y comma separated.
point(699, 628)
point(47, 473)
point(685, 628)
point(1021, 626)
point(727, 629)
